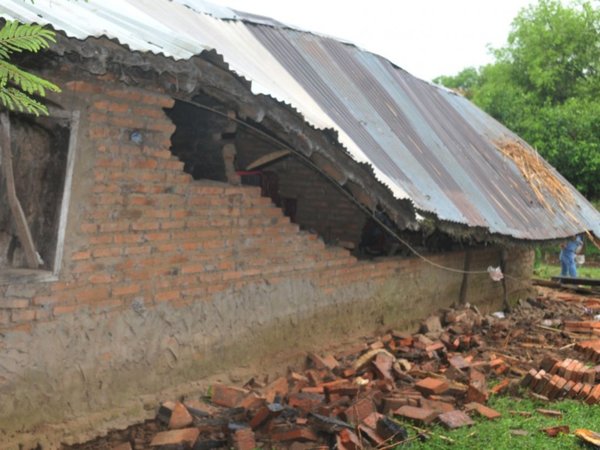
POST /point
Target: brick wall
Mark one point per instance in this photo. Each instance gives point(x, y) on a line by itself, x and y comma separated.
point(164, 276)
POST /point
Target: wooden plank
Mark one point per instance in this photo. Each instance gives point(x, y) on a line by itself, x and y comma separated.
point(21, 226)
point(267, 159)
point(577, 280)
point(66, 197)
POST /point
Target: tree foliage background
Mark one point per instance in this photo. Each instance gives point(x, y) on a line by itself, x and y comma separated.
point(545, 86)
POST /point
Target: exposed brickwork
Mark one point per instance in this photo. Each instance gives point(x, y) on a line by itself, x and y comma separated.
point(147, 231)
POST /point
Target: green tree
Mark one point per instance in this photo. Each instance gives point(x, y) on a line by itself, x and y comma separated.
point(464, 82)
point(18, 88)
point(545, 86)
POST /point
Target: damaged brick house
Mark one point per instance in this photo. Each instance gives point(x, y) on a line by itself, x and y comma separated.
point(213, 188)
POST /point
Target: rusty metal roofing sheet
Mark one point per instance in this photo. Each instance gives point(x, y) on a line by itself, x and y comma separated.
point(424, 142)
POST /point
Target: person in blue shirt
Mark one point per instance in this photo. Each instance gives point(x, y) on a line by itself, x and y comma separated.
point(567, 257)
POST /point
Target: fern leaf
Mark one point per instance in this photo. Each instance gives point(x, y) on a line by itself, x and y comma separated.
point(28, 82)
point(16, 100)
point(16, 85)
point(18, 37)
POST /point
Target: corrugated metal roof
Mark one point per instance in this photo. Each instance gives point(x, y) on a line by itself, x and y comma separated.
point(424, 142)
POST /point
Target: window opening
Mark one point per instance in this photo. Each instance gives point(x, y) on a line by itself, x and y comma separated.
point(41, 150)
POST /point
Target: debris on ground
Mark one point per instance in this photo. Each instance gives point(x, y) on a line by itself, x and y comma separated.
point(368, 394)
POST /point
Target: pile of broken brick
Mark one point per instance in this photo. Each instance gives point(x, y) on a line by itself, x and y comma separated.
point(371, 394)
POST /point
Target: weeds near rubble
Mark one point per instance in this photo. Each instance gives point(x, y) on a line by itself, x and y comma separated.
point(496, 434)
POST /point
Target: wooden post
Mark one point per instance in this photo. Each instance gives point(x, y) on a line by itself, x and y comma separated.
point(503, 261)
point(22, 229)
point(465, 281)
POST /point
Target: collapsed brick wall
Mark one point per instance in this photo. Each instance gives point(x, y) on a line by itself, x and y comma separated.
point(164, 276)
point(320, 206)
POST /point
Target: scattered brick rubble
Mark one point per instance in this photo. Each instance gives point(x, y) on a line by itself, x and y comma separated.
point(369, 394)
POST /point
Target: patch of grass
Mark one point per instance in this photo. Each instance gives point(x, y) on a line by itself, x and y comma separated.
point(547, 271)
point(496, 434)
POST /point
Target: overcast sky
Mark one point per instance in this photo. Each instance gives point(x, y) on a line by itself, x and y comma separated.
point(426, 37)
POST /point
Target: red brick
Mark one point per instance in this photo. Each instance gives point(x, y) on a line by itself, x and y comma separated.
point(541, 384)
point(14, 303)
point(106, 252)
point(79, 256)
point(144, 226)
point(483, 410)
point(556, 430)
point(455, 419)
point(589, 376)
point(123, 446)
point(528, 378)
point(436, 405)
point(228, 396)
point(574, 392)
point(429, 386)
point(279, 387)
point(298, 434)
point(260, 417)
point(306, 402)
point(594, 395)
point(127, 289)
point(476, 376)
point(562, 367)
point(421, 415)
point(500, 387)
point(166, 296)
point(347, 440)
point(458, 362)
point(126, 94)
point(84, 86)
point(383, 363)
point(550, 385)
point(557, 390)
point(569, 370)
point(549, 412)
point(476, 393)
point(555, 368)
point(585, 391)
point(187, 436)
point(64, 309)
point(22, 315)
point(566, 389)
point(99, 278)
point(102, 239)
point(359, 410)
point(549, 362)
point(180, 417)
point(371, 434)
point(244, 439)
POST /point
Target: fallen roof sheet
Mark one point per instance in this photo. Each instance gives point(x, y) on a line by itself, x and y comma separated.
point(424, 142)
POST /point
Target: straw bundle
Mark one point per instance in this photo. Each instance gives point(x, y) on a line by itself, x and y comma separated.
point(540, 177)
point(542, 180)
